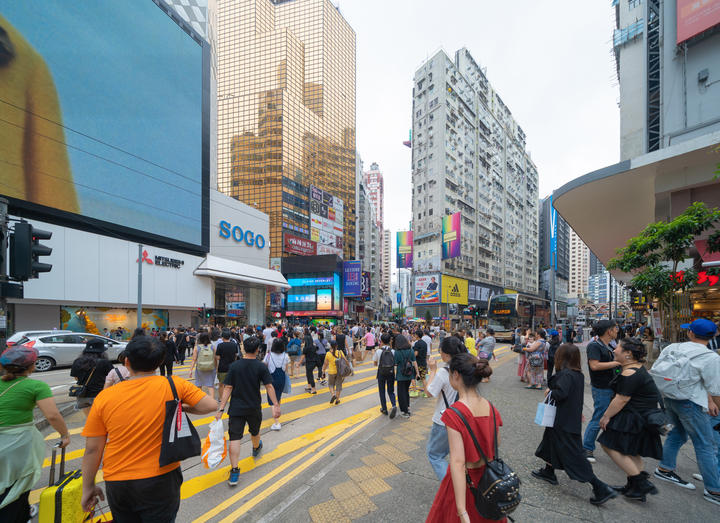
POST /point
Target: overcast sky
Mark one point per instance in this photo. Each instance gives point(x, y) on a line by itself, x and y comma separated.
point(551, 62)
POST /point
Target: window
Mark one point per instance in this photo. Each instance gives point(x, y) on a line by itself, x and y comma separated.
point(430, 212)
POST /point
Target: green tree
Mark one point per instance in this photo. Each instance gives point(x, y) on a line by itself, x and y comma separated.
point(428, 316)
point(653, 257)
point(399, 313)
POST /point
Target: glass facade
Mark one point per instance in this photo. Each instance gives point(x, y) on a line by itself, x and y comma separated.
point(286, 110)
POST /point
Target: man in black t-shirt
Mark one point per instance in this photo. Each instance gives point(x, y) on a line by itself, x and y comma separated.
point(420, 348)
point(242, 382)
point(225, 354)
point(602, 368)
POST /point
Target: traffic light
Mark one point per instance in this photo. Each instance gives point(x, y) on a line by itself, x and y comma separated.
point(25, 252)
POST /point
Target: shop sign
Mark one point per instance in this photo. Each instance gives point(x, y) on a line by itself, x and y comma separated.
point(454, 290)
point(313, 313)
point(296, 245)
point(248, 237)
point(366, 292)
point(160, 261)
point(703, 277)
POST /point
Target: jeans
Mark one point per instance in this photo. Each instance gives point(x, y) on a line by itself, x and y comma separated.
point(437, 450)
point(690, 420)
point(389, 384)
point(404, 395)
point(601, 400)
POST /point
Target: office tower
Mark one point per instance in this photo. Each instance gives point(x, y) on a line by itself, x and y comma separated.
point(549, 219)
point(579, 267)
point(286, 111)
point(469, 156)
point(376, 190)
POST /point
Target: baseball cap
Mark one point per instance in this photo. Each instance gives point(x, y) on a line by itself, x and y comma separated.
point(701, 327)
point(554, 333)
point(19, 355)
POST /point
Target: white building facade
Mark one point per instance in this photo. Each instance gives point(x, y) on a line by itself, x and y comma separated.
point(579, 267)
point(469, 155)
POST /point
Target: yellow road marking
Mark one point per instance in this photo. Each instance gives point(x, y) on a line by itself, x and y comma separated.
point(199, 483)
point(322, 447)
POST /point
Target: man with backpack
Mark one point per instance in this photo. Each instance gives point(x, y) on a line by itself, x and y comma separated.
point(688, 377)
point(384, 360)
point(407, 370)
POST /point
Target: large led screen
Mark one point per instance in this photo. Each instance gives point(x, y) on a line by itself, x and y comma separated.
point(101, 118)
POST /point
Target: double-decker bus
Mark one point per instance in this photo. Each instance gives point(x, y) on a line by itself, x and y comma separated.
point(506, 312)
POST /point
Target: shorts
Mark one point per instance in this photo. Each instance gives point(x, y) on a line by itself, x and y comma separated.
point(221, 377)
point(236, 425)
point(422, 372)
point(370, 348)
point(335, 381)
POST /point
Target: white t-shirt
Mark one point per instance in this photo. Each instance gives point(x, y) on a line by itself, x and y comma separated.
point(427, 339)
point(378, 352)
point(275, 361)
point(441, 382)
point(267, 334)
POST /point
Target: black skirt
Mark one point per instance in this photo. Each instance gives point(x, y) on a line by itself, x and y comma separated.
point(627, 434)
point(564, 451)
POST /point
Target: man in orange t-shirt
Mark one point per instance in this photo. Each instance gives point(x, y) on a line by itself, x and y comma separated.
point(126, 424)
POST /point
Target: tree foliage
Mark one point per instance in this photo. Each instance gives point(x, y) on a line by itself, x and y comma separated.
point(653, 256)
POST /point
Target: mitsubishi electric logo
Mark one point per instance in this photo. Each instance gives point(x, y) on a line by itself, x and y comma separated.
point(145, 258)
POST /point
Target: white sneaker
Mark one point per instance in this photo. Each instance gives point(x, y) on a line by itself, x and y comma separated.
point(275, 426)
point(697, 476)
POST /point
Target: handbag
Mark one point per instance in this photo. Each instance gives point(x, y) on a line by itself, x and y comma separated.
point(657, 420)
point(343, 367)
point(536, 359)
point(545, 413)
point(497, 494)
point(79, 391)
point(287, 389)
point(180, 439)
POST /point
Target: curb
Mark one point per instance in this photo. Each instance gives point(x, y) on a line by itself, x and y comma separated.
point(66, 409)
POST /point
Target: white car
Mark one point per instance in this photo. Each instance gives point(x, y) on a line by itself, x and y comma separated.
point(62, 348)
point(12, 340)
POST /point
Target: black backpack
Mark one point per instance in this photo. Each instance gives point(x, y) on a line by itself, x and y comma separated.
point(408, 369)
point(386, 365)
point(497, 494)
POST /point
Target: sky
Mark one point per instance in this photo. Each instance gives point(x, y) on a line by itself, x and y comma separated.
point(550, 62)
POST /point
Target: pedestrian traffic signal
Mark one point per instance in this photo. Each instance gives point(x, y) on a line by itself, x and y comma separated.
point(25, 252)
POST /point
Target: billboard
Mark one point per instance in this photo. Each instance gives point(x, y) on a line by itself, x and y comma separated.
point(324, 299)
point(404, 249)
point(427, 289)
point(451, 236)
point(352, 279)
point(696, 16)
point(553, 234)
point(454, 290)
point(295, 245)
point(366, 286)
point(104, 124)
point(326, 221)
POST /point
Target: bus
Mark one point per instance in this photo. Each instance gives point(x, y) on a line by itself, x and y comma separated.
point(506, 312)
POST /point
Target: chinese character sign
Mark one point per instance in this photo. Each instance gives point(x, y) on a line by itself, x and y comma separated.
point(404, 249)
point(451, 236)
point(352, 279)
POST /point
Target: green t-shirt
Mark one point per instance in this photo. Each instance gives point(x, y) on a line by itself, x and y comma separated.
point(17, 404)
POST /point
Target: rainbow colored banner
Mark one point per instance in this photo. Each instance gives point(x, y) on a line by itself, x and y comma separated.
point(404, 249)
point(451, 236)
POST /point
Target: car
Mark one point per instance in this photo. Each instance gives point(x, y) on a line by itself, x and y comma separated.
point(12, 340)
point(61, 349)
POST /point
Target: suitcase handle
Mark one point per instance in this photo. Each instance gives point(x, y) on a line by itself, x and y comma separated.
point(52, 463)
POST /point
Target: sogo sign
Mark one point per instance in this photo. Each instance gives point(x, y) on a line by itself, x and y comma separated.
point(248, 237)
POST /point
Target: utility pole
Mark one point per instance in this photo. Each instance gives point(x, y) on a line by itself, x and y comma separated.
point(139, 282)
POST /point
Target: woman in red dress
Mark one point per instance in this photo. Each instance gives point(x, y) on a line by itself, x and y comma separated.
point(454, 502)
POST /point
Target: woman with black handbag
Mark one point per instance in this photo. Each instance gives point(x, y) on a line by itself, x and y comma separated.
point(471, 418)
point(561, 446)
point(627, 436)
point(90, 371)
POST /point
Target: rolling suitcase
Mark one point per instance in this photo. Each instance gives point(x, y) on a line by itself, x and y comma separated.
point(60, 502)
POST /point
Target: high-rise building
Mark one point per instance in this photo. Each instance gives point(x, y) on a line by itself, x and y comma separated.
point(286, 110)
point(579, 267)
point(386, 261)
point(369, 248)
point(469, 156)
point(376, 190)
point(547, 220)
point(600, 283)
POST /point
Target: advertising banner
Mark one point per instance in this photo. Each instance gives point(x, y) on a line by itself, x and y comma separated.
point(275, 264)
point(301, 298)
point(454, 290)
point(404, 249)
point(553, 234)
point(352, 279)
point(295, 245)
point(329, 249)
point(696, 16)
point(427, 289)
point(324, 299)
point(366, 289)
point(310, 281)
point(326, 221)
point(98, 127)
point(451, 236)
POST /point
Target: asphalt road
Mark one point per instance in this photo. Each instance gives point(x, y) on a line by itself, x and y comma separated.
point(350, 463)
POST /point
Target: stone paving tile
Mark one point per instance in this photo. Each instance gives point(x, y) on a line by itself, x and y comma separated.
point(374, 486)
point(392, 453)
point(361, 473)
point(345, 490)
point(357, 506)
point(374, 459)
point(385, 470)
point(328, 512)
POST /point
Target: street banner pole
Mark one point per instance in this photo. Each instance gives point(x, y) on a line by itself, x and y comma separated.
point(139, 280)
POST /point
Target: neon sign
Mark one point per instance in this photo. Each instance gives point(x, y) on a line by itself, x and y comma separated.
point(703, 277)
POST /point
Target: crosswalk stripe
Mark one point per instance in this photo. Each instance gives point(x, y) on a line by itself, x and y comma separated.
point(316, 451)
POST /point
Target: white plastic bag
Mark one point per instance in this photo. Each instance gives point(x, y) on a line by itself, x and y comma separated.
point(214, 447)
point(545, 413)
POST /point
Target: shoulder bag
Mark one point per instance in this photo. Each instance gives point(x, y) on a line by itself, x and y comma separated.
point(497, 494)
point(79, 391)
point(180, 440)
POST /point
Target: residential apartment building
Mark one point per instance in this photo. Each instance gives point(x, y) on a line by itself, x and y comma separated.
point(579, 267)
point(369, 249)
point(469, 156)
point(286, 112)
point(601, 283)
point(386, 261)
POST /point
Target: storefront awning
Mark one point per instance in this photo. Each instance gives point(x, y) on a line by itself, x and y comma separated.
point(215, 267)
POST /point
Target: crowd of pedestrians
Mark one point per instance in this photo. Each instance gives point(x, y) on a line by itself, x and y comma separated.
point(125, 405)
